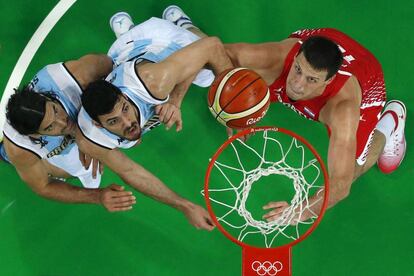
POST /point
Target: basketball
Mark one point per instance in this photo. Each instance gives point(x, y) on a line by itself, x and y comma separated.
point(238, 98)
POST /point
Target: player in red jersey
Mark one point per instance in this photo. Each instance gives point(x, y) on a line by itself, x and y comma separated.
point(326, 76)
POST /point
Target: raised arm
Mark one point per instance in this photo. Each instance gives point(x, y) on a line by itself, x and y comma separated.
point(342, 119)
point(89, 68)
point(267, 59)
point(161, 78)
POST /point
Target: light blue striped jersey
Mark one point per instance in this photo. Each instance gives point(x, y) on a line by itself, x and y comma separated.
point(125, 78)
point(53, 79)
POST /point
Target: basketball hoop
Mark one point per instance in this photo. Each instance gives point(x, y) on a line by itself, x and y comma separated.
point(233, 186)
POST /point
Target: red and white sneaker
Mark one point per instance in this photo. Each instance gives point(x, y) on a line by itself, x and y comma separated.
point(395, 147)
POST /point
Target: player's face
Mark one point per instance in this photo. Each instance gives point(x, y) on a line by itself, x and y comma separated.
point(122, 120)
point(304, 82)
point(56, 121)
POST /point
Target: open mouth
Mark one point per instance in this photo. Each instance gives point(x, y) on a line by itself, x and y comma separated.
point(133, 131)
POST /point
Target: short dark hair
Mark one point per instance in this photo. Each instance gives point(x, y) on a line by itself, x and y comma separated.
point(100, 98)
point(25, 110)
point(322, 54)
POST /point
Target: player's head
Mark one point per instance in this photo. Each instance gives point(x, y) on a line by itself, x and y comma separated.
point(314, 67)
point(32, 113)
point(111, 109)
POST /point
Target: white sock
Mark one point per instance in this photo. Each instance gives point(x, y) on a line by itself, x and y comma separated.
point(386, 126)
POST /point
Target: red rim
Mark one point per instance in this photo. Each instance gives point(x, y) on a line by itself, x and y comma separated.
point(254, 130)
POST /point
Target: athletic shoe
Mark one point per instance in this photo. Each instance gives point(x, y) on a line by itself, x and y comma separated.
point(395, 145)
point(120, 23)
point(177, 16)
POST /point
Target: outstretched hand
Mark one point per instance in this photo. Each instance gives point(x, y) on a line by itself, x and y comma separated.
point(230, 131)
point(169, 115)
point(199, 217)
point(115, 199)
point(277, 210)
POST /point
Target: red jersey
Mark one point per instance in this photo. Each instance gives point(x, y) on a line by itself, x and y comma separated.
point(357, 61)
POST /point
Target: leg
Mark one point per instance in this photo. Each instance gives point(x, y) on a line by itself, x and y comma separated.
point(377, 146)
point(388, 143)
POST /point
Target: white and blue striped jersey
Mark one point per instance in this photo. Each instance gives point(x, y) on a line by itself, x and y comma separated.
point(55, 80)
point(153, 40)
point(125, 78)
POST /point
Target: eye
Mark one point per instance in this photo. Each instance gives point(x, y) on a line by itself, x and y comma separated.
point(311, 80)
point(125, 108)
point(55, 109)
point(297, 69)
point(112, 122)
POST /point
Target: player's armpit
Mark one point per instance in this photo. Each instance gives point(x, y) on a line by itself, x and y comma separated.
point(89, 68)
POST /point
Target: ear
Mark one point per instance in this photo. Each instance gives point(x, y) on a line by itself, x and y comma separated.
point(35, 136)
point(125, 96)
point(97, 124)
point(328, 81)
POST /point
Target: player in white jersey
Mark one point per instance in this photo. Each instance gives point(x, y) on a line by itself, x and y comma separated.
point(39, 142)
point(153, 64)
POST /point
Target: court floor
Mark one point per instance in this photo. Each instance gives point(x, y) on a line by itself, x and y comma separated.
point(369, 233)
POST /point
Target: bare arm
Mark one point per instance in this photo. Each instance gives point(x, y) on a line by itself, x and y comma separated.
point(161, 78)
point(145, 182)
point(267, 59)
point(342, 119)
point(89, 68)
point(32, 170)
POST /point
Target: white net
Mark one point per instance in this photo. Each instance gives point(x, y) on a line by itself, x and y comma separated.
point(301, 177)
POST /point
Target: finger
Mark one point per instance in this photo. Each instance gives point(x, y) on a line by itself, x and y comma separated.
point(229, 131)
point(163, 113)
point(277, 204)
point(276, 212)
point(116, 187)
point(273, 218)
point(101, 168)
point(158, 108)
point(120, 193)
point(120, 209)
point(122, 200)
point(94, 167)
point(179, 125)
point(82, 158)
point(171, 120)
point(123, 205)
point(88, 160)
point(209, 224)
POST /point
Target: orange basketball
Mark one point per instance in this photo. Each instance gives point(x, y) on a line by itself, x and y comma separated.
point(238, 98)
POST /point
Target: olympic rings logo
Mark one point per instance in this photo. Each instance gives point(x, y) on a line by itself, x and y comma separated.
point(267, 268)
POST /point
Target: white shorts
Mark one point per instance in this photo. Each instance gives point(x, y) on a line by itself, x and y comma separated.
point(156, 38)
point(71, 164)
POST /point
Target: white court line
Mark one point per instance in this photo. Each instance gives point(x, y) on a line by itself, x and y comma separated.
point(29, 51)
point(7, 207)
